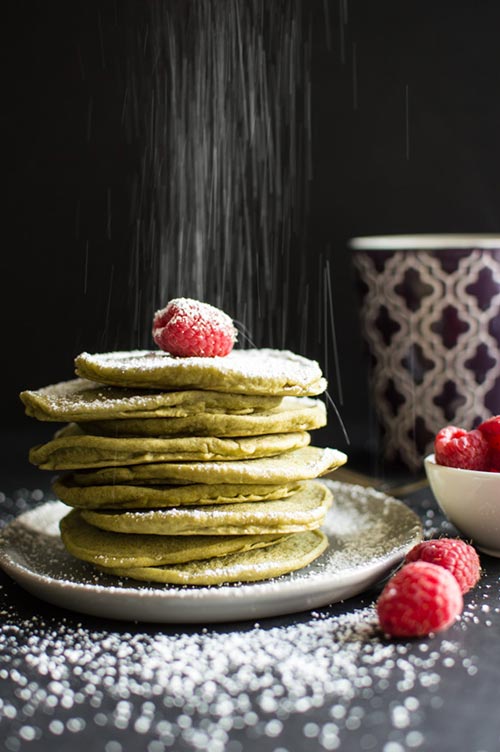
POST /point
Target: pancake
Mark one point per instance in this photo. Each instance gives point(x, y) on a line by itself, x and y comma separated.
point(259, 371)
point(136, 497)
point(299, 464)
point(305, 510)
point(82, 400)
point(295, 552)
point(72, 448)
point(294, 414)
point(107, 549)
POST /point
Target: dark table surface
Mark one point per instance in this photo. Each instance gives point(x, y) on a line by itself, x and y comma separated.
point(321, 680)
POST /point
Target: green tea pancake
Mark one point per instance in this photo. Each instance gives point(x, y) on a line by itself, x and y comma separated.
point(267, 372)
point(135, 497)
point(72, 448)
point(295, 552)
point(300, 464)
point(294, 414)
point(87, 542)
point(81, 400)
point(304, 510)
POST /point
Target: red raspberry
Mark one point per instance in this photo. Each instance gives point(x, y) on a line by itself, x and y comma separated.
point(491, 431)
point(454, 555)
point(456, 447)
point(420, 598)
point(188, 328)
point(494, 461)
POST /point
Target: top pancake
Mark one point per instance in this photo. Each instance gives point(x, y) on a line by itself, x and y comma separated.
point(81, 400)
point(260, 371)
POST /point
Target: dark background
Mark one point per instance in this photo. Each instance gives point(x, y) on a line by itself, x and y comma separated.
point(405, 113)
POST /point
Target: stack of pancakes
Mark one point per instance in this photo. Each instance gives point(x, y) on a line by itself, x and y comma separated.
point(191, 471)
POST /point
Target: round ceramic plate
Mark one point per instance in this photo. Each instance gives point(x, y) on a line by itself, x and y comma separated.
point(368, 532)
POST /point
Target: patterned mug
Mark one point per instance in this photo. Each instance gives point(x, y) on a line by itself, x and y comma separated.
point(430, 313)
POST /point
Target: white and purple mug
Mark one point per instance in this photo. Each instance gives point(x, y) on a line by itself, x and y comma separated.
point(430, 313)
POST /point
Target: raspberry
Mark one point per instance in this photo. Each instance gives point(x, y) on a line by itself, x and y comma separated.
point(454, 555)
point(420, 598)
point(188, 328)
point(456, 447)
point(494, 461)
point(491, 431)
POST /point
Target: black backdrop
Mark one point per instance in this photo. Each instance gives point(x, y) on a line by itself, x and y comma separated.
point(406, 116)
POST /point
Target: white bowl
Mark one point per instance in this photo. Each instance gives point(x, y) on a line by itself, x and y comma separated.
point(471, 501)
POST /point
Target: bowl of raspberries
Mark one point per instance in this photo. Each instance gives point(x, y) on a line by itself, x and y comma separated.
point(464, 475)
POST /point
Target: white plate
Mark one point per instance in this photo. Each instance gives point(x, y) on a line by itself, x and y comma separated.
point(369, 533)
